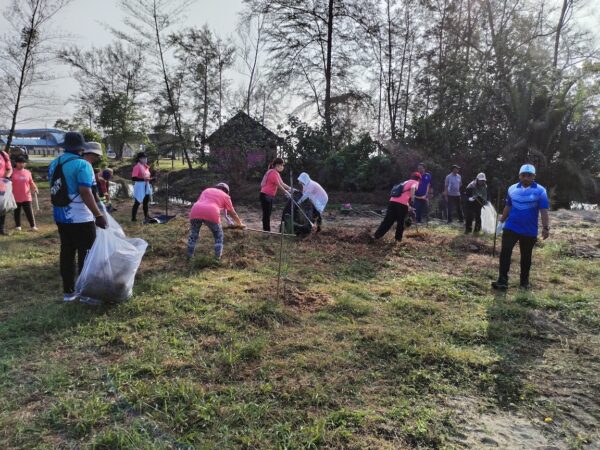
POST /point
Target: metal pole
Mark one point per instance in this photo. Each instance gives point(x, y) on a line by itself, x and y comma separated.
point(496, 228)
point(167, 197)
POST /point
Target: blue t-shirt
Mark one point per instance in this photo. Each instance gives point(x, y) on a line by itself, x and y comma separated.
point(78, 172)
point(423, 184)
point(525, 206)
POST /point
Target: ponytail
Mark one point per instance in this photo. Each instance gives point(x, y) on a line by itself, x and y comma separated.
point(275, 162)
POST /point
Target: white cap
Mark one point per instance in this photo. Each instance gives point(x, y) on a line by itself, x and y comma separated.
point(93, 147)
point(527, 168)
point(481, 176)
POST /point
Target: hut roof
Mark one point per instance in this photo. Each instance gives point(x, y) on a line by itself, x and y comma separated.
point(243, 128)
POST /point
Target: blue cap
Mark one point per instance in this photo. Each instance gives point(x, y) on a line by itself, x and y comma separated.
point(527, 168)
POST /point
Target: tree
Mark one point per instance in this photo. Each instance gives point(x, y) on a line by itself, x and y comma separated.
point(149, 21)
point(203, 58)
point(24, 50)
point(112, 80)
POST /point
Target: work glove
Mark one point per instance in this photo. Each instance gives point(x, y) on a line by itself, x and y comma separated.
point(101, 222)
point(471, 199)
point(499, 227)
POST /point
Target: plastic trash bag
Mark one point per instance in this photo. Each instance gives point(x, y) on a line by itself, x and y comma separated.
point(111, 264)
point(488, 218)
point(7, 199)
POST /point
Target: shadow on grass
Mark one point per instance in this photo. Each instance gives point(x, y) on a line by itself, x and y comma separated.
point(517, 333)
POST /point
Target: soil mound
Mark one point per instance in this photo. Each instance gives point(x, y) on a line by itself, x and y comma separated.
point(306, 301)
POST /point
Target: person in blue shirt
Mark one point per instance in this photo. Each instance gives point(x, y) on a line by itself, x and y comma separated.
point(422, 194)
point(525, 202)
point(76, 221)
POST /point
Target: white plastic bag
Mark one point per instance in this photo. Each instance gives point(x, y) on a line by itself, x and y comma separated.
point(7, 199)
point(110, 266)
point(488, 218)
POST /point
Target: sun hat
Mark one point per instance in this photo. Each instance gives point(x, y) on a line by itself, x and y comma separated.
point(481, 176)
point(93, 147)
point(73, 142)
point(527, 168)
point(223, 186)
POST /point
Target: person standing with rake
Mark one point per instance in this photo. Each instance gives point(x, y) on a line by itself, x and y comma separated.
point(476, 193)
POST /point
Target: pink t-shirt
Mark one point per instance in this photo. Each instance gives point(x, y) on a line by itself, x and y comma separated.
point(270, 182)
point(209, 205)
point(4, 163)
point(141, 171)
point(22, 184)
point(405, 197)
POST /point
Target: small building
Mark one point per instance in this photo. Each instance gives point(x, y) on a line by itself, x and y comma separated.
point(37, 141)
point(240, 145)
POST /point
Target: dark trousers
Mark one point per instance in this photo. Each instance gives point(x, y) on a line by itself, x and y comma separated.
point(473, 212)
point(396, 212)
point(2, 220)
point(317, 219)
point(26, 207)
point(526, 244)
point(266, 202)
point(136, 205)
point(421, 209)
point(74, 238)
point(454, 203)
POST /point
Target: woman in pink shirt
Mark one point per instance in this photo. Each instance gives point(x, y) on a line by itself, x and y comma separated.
point(207, 210)
point(5, 172)
point(141, 185)
point(398, 208)
point(268, 189)
point(22, 186)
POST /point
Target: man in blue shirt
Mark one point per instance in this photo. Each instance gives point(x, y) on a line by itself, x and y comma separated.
point(452, 185)
point(422, 194)
point(77, 220)
point(525, 201)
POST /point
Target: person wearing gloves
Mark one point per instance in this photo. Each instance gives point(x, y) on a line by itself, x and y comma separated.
point(269, 185)
point(5, 173)
point(77, 221)
point(314, 192)
point(141, 187)
point(477, 196)
point(22, 186)
point(525, 201)
point(398, 208)
point(207, 210)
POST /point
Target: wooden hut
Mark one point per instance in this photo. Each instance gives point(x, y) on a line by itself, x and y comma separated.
point(240, 145)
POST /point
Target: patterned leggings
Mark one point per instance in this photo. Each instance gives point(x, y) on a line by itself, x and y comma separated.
point(217, 232)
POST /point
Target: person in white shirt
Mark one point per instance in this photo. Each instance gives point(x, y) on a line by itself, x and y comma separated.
point(314, 192)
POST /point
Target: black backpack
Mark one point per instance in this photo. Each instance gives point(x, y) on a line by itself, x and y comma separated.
point(397, 190)
point(59, 192)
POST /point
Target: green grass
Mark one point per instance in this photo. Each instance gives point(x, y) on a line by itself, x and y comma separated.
point(364, 352)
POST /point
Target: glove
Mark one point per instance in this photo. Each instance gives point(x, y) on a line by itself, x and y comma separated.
point(499, 227)
point(471, 199)
point(101, 222)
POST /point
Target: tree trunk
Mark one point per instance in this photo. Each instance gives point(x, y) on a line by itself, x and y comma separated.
point(328, 125)
point(559, 27)
point(168, 88)
point(28, 47)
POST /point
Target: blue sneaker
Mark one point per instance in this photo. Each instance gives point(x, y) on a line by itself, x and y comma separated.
point(90, 301)
point(68, 298)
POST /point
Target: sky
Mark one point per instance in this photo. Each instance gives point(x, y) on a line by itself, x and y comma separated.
point(85, 19)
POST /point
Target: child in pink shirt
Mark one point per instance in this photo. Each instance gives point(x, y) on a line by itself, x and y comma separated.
point(207, 210)
point(22, 186)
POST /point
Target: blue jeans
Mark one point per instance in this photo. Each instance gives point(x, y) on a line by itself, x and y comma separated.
point(217, 232)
